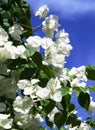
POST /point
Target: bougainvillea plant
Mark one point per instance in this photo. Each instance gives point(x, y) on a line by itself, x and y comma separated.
point(34, 86)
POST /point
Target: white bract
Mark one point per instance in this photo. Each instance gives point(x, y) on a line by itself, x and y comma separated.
point(5, 121)
point(3, 36)
point(42, 93)
point(84, 126)
point(22, 105)
point(24, 121)
point(54, 86)
point(49, 25)
point(33, 43)
point(42, 11)
point(15, 52)
point(62, 36)
point(2, 107)
point(47, 42)
point(15, 31)
point(91, 108)
point(52, 114)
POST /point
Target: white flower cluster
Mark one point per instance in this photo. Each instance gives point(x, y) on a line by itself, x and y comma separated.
point(51, 91)
point(7, 49)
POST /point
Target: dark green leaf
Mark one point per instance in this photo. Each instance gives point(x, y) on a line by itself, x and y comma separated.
point(49, 107)
point(28, 73)
point(84, 100)
point(37, 58)
point(91, 122)
point(60, 118)
point(90, 72)
point(71, 107)
point(72, 119)
point(66, 102)
point(49, 123)
point(48, 71)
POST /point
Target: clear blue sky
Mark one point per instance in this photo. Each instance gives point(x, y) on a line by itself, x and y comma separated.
point(77, 17)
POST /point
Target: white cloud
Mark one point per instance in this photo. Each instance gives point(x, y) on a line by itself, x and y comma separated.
point(67, 8)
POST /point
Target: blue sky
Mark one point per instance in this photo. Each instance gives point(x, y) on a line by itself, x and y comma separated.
point(77, 17)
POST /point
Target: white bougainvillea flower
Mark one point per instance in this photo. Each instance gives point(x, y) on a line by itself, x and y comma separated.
point(80, 76)
point(53, 58)
point(22, 105)
point(20, 51)
point(29, 90)
point(84, 126)
point(23, 83)
point(4, 54)
point(42, 93)
point(79, 72)
point(57, 96)
point(15, 31)
point(58, 60)
point(49, 25)
point(47, 42)
point(38, 116)
point(3, 36)
point(91, 108)
point(64, 48)
point(42, 11)
point(2, 107)
point(76, 82)
point(29, 87)
point(5, 121)
point(62, 36)
point(52, 113)
point(24, 121)
point(14, 51)
point(54, 85)
point(33, 42)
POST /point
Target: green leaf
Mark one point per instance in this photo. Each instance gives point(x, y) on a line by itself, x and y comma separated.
point(91, 88)
point(4, 1)
point(65, 91)
point(81, 89)
point(37, 58)
point(6, 22)
point(66, 102)
point(71, 107)
point(60, 118)
point(49, 107)
point(28, 53)
point(49, 123)
point(48, 71)
point(72, 119)
point(90, 72)
point(84, 100)
point(91, 122)
point(42, 128)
